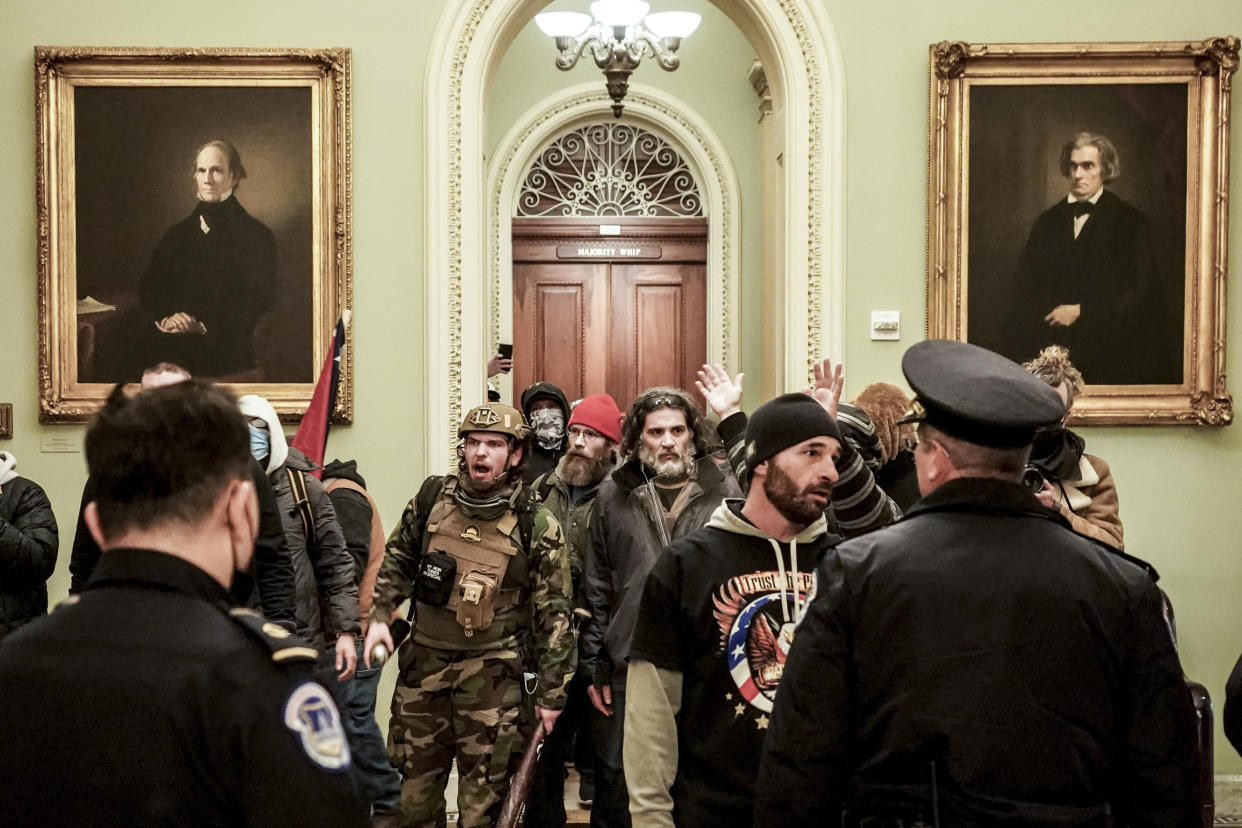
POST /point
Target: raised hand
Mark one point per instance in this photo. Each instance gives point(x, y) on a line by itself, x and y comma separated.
point(722, 394)
point(829, 380)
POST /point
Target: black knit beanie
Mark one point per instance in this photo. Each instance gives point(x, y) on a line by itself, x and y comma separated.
point(783, 422)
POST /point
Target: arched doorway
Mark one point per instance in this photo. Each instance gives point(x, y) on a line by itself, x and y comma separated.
point(715, 202)
point(796, 45)
point(609, 264)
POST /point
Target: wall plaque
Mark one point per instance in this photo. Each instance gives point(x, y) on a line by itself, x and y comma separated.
point(609, 251)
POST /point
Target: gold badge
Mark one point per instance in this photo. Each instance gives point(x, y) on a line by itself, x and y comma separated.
point(274, 630)
point(472, 534)
point(484, 417)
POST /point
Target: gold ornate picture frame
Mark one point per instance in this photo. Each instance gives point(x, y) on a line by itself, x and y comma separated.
point(125, 227)
point(1136, 288)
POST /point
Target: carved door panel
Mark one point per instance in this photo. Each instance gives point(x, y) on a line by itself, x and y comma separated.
point(560, 324)
point(658, 329)
point(616, 304)
point(603, 326)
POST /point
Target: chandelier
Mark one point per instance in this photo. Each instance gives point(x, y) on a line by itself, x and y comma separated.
point(619, 34)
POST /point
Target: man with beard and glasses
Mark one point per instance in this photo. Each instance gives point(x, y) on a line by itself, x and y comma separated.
point(569, 491)
point(667, 487)
point(149, 699)
point(1078, 485)
point(717, 619)
point(490, 581)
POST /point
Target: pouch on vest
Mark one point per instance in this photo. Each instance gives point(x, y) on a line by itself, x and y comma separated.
point(436, 575)
point(475, 606)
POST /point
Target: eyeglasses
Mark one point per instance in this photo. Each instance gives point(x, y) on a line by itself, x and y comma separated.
point(588, 434)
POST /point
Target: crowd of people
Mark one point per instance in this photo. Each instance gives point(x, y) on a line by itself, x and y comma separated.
point(974, 647)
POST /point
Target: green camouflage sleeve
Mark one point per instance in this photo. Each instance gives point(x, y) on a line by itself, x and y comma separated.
point(395, 581)
point(556, 650)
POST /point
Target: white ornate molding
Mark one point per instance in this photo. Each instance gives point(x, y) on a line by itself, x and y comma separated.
point(674, 121)
point(798, 48)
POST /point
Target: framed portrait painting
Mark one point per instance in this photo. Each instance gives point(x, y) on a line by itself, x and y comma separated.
point(1078, 198)
point(194, 208)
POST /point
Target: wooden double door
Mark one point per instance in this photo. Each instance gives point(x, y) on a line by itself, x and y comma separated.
point(613, 313)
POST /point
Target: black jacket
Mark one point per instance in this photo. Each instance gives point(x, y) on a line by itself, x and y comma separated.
point(326, 589)
point(1031, 664)
point(28, 545)
point(1130, 327)
point(270, 590)
point(543, 460)
point(225, 278)
point(353, 513)
point(147, 703)
point(624, 543)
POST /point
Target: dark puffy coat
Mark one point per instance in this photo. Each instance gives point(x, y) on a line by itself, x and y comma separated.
point(624, 543)
point(28, 544)
point(324, 585)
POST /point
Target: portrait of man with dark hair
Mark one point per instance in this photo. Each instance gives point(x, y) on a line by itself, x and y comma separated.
point(1099, 269)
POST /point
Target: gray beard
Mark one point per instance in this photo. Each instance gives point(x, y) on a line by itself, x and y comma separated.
point(679, 467)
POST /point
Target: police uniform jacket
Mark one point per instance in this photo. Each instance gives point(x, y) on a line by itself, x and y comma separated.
point(147, 703)
point(1031, 665)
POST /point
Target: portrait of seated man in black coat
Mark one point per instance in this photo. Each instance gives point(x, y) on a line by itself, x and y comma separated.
point(211, 278)
point(1091, 281)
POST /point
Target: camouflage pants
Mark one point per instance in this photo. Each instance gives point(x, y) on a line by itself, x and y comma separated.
point(450, 704)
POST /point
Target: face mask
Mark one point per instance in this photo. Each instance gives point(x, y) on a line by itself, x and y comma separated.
point(549, 426)
point(260, 443)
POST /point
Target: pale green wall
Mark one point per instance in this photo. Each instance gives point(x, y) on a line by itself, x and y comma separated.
point(1178, 486)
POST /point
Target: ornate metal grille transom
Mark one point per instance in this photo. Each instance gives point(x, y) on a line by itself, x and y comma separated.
point(609, 169)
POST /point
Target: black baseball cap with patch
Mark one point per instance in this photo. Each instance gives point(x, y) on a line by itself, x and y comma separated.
point(977, 395)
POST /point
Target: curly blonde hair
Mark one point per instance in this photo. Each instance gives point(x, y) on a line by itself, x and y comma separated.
point(885, 404)
point(1053, 366)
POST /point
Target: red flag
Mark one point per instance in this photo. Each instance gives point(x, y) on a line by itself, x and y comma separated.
point(311, 438)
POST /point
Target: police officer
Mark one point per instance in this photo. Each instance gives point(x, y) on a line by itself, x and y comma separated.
point(490, 579)
point(979, 663)
point(147, 700)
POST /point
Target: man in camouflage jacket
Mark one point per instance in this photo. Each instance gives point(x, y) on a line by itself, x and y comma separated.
point(477, 629)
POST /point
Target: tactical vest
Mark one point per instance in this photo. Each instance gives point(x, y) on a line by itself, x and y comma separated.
point(492, 576)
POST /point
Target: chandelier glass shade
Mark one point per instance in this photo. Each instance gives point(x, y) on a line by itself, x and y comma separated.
point(618, 34)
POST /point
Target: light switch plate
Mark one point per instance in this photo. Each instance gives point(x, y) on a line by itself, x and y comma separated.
point(886, 325)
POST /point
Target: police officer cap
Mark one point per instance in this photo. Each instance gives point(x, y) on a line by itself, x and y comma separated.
point(497, 417)
point(976, 395)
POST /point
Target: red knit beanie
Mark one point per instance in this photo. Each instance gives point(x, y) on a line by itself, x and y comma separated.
point(599, 412)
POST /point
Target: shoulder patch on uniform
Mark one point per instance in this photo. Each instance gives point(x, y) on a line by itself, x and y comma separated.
point(312, 715)
point(283, 645)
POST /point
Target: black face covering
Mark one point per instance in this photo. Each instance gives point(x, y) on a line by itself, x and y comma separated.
point(1056, 452)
